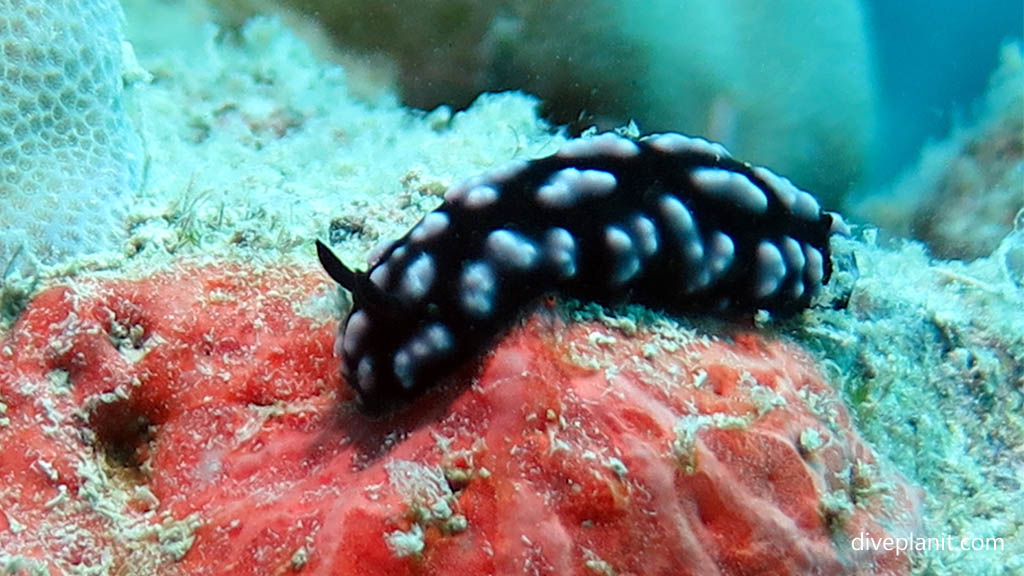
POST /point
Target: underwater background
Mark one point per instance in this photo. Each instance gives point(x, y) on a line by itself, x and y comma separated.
point(175, 160)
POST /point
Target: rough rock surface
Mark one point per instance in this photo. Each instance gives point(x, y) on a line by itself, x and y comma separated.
point(191, 423)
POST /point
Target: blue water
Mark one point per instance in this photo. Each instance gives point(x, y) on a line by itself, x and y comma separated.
point(933, 60)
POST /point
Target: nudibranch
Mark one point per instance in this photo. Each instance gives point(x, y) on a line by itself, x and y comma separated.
point(668, 221)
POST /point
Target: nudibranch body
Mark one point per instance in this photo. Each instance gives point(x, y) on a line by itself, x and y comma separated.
point(668, 221)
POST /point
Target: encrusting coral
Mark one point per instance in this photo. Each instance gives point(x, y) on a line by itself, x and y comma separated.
point(69, 157)
point(189, 422)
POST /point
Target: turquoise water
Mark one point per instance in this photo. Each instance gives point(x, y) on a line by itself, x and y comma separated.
point(934, 60)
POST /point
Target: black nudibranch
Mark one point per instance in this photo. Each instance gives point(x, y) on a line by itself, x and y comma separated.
point(667, 221)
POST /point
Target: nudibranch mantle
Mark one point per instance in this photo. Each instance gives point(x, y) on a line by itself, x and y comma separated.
point(668, 221)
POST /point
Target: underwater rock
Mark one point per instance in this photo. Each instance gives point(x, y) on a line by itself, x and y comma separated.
point(193, 422)
point(929, 357)
point(69, 155)
point(962, 196)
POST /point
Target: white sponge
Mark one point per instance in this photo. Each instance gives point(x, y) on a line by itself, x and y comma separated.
point(69, 157)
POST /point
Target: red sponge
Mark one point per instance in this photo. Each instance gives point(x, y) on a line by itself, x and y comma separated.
point(194, 423)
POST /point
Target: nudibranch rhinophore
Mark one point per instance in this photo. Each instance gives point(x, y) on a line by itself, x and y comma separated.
point(667, 221)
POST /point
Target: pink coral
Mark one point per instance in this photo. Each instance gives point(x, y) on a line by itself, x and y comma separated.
point(191, 423)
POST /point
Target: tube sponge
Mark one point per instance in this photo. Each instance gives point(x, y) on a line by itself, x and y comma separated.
point(69, 156)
